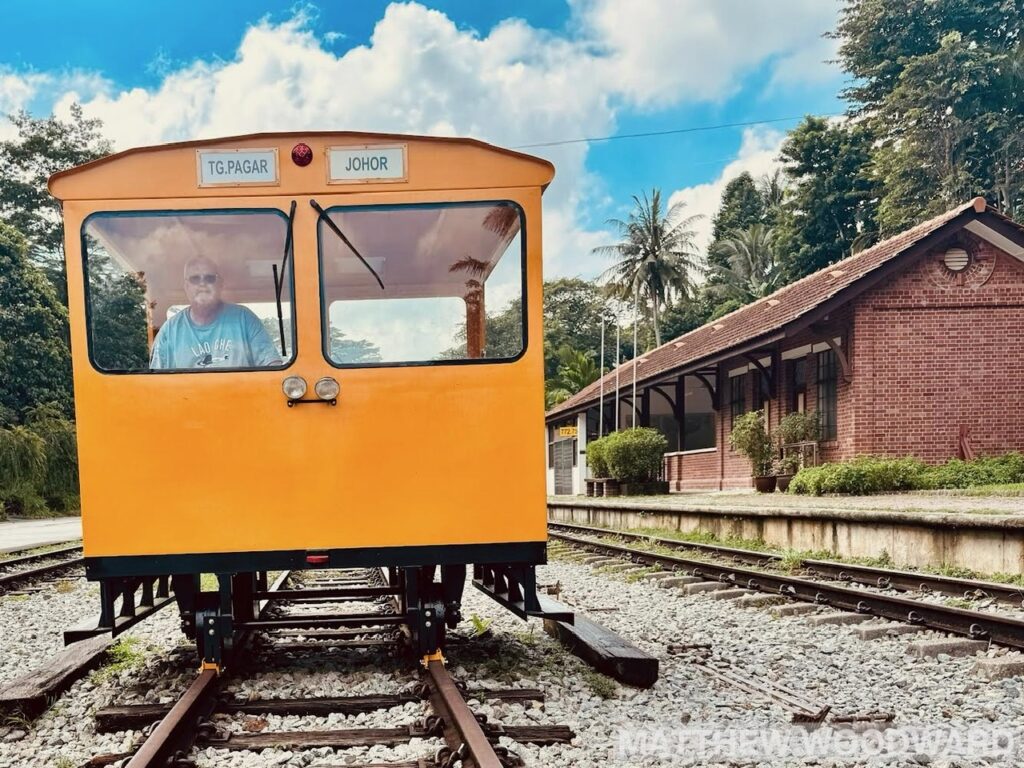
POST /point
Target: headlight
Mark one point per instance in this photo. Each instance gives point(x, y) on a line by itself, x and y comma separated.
point(327, 388)
point(294, 387)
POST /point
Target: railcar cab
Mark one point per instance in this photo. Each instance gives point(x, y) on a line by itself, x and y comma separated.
point(296, 351)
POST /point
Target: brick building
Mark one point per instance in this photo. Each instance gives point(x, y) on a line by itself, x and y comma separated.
point(912, 347)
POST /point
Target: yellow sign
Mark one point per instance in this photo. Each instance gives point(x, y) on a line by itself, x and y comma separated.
point(568, 431)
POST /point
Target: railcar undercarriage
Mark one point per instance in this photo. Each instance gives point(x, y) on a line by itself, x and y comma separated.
point(425, 598)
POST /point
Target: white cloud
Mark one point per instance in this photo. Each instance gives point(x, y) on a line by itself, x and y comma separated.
point(657, 52)
point(758, 155)
point(420, 73)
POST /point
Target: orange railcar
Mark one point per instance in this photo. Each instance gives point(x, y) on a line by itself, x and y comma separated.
point(307, 350)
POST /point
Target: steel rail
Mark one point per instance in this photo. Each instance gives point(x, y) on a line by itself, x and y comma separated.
point(974, 624)
point(23, 559)
point(9, 579)
point(462, 731)
point(882, 578)
point(176, 732)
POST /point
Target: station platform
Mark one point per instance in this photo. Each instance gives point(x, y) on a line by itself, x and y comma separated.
point(23, 534)
point(982, 533)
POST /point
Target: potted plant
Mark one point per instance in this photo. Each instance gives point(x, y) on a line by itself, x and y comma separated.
point(793, 428)
point(750, 437)
point(785, 469)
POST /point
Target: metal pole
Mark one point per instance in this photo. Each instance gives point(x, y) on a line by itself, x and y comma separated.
point(618, 346)
point(600, 407)
point(636, 318)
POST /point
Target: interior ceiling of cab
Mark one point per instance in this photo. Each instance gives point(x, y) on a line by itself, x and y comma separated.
point(418, 252)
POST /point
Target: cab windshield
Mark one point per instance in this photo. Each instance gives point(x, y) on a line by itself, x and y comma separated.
point(187, 291)
point(418, 284)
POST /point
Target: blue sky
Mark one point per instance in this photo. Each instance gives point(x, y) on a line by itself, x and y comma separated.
point(513, 74)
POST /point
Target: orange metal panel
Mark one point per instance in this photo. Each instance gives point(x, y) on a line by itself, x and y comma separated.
point(216, 462)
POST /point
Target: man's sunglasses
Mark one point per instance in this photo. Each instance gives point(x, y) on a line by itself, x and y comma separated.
point(206, 279)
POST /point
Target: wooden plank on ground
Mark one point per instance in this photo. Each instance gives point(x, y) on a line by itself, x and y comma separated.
point(29, 694)
point(605, 651)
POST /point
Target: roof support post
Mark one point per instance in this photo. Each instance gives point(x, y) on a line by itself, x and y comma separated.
point(680, 407)
point(645, 407)
point(768, 374)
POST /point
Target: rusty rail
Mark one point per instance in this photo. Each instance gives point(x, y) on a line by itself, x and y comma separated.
point(462, 732)
point(974, 624)
point(869, 576)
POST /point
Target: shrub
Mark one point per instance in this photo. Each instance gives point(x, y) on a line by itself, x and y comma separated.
point(994, 470)
point(634, 455)
point(797, 427)
point(750, 437)
point(596, 457)
point(59, 482)
point(863, 475)
point(22, 468)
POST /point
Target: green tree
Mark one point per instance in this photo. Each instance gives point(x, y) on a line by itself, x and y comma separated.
point(35, 363)
point(346, 350)
point(831, 198)
point(118, 320)
point(941, 83)
point(742, 206)
point(576, 369)
point(751, 270)
point(573, 312)
point(656, 256)
point(42, 147)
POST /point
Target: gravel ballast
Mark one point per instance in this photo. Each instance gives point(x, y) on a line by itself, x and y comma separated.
point(631, 728)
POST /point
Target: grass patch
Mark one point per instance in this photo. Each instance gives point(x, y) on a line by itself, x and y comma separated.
point(64, 587)
point(36, 551)
point(632, 578)
point(124, 654)
point(602, 686)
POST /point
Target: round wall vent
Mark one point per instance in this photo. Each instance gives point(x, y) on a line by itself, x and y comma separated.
point(956, 259)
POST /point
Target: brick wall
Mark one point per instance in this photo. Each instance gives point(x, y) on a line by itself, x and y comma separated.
point(933, 355)
point(927, 354)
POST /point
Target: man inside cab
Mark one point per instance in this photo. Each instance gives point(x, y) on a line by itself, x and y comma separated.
point(211, 333)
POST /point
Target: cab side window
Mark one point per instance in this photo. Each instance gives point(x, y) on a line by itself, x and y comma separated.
point(188, 291)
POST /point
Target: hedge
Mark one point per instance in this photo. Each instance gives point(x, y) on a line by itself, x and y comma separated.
point(872, 474)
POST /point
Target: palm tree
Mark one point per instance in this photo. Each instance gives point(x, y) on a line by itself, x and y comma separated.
point(656, 256)
point(575, 371)
point(752, 271)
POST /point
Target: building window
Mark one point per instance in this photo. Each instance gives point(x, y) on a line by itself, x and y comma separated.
point(762, 395)
point(698, 417)
point(737, 396)
point(798, 386)
point(827, 396)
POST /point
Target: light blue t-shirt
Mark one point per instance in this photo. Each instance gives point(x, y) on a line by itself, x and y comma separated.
point(235, 339)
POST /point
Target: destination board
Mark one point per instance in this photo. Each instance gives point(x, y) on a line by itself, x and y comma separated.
point(236, 167)
point(366, 164)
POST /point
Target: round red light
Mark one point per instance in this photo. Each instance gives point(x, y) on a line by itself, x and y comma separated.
point(302, 155)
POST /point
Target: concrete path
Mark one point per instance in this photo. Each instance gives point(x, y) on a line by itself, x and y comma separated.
point(23, 534)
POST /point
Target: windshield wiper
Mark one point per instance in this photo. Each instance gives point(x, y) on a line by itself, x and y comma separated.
point(279, 276)
point(334, 228)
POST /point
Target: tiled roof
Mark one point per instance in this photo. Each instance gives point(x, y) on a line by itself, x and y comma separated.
point(764, 316)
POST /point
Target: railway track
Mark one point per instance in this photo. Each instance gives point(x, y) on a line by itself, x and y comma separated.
point(13, 572)
point(466, 738)
point(869, 576)
point(979, 625)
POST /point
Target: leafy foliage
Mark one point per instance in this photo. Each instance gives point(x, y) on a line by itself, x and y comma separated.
point(745, 267)
point(597, 458)
point(941, 83)
point(42, 147)
point(870, 474)
point(657, 258)
point(750, 437)
point(118, 320)
point(35, 363)
point(575, 371)
point(634, 455)
point(829, 205)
